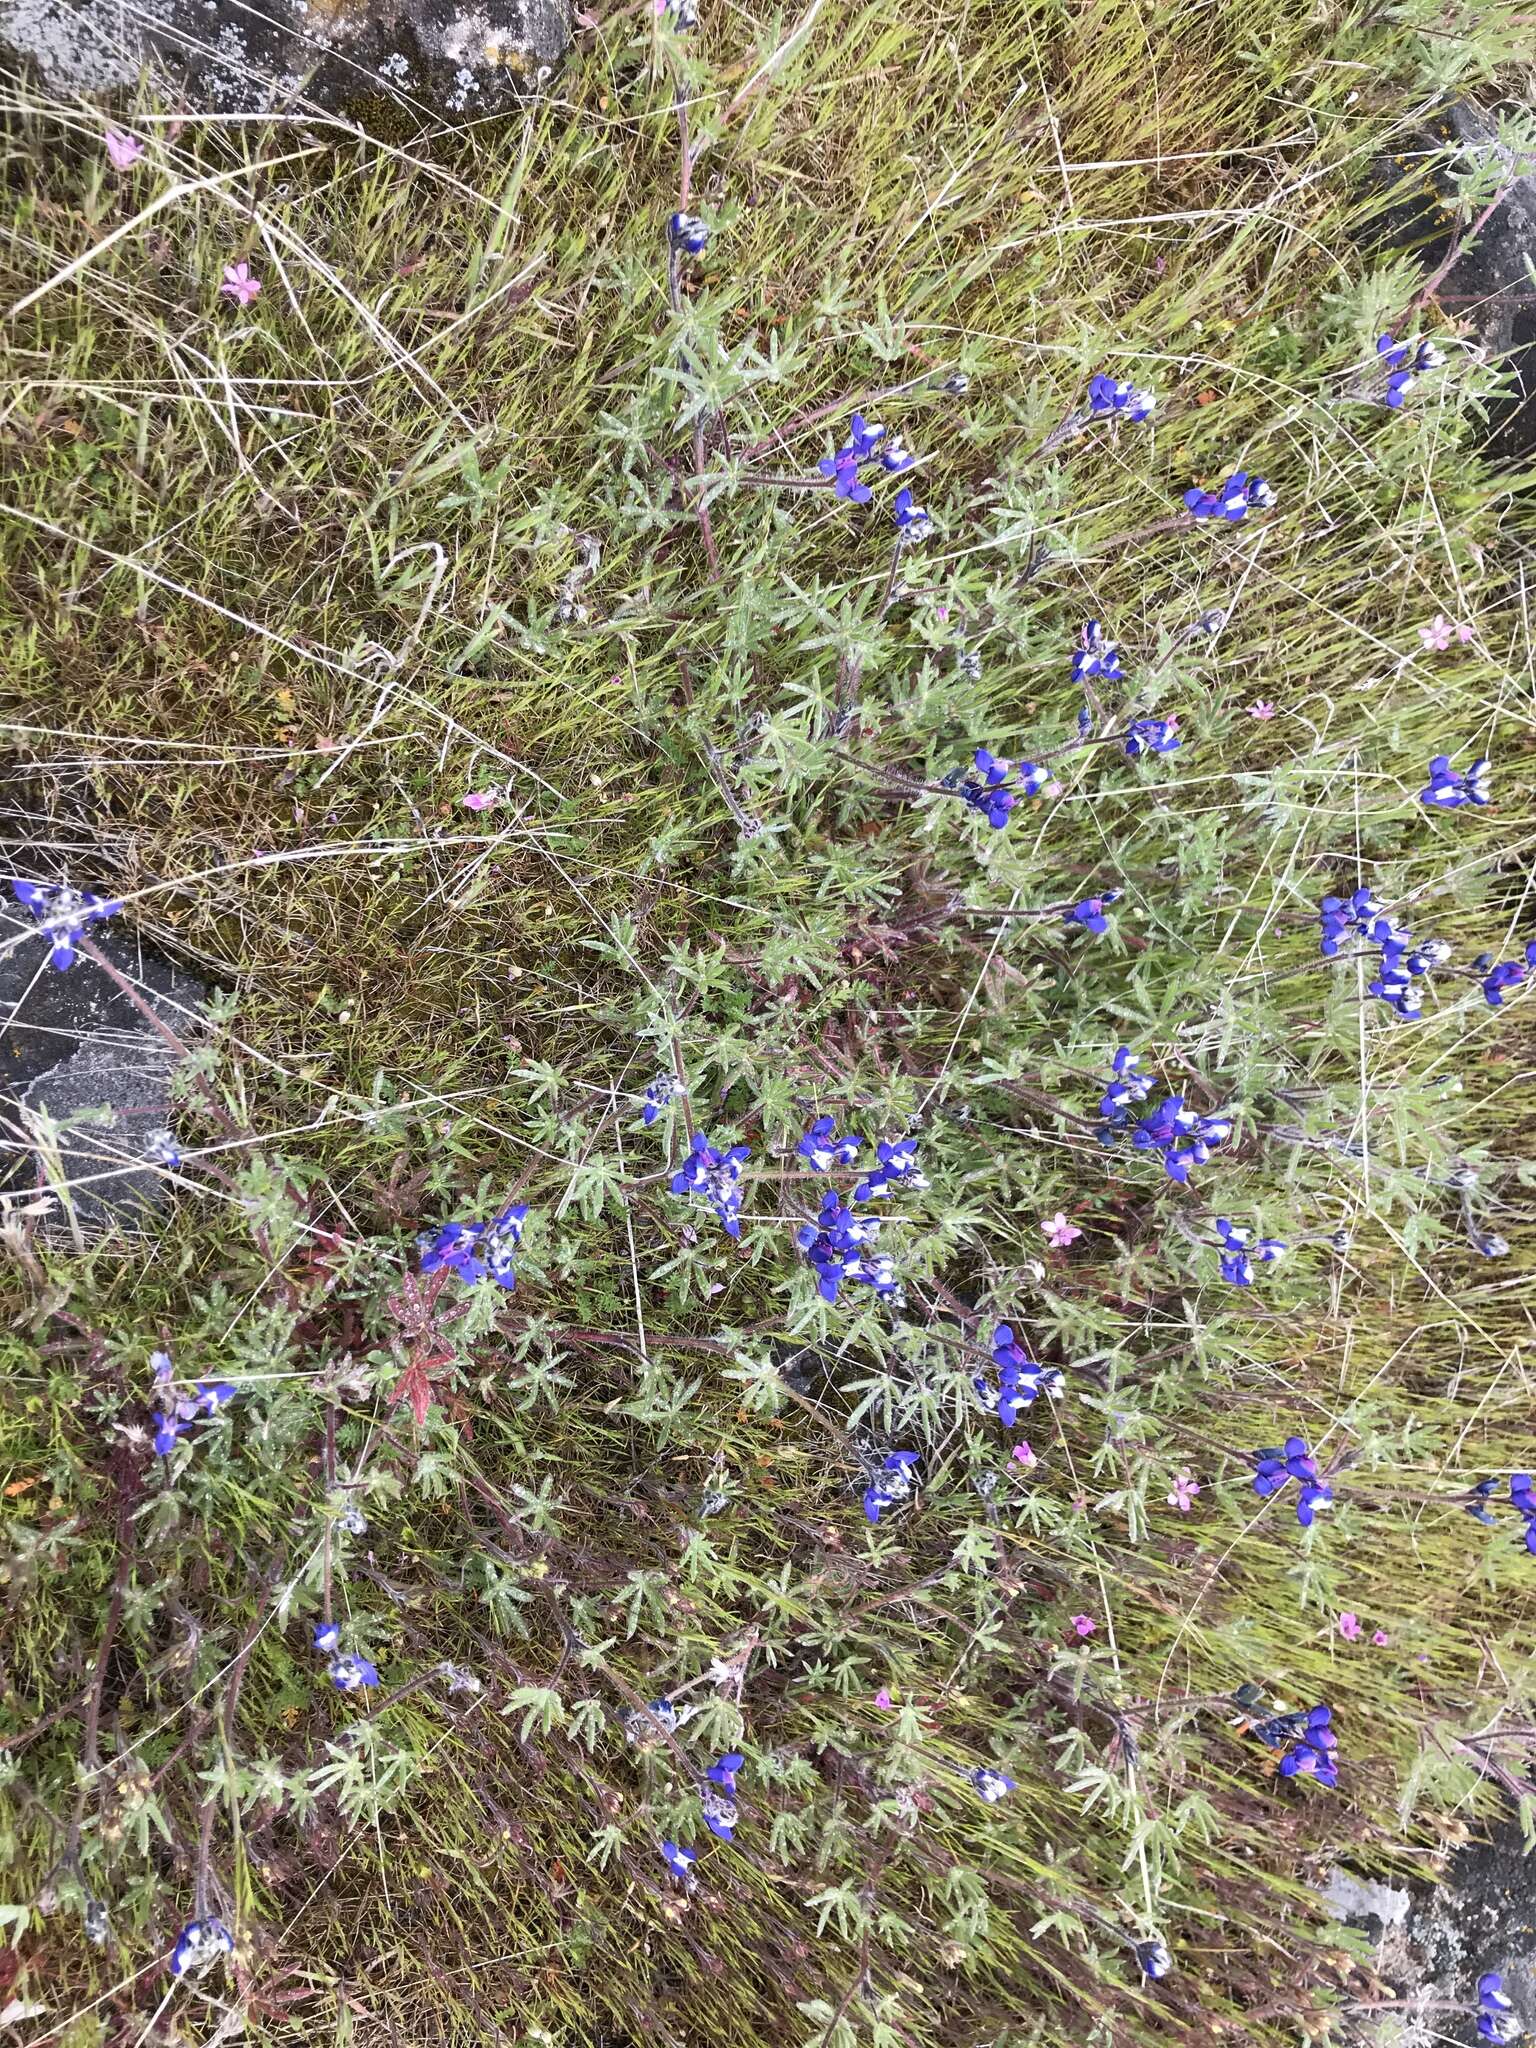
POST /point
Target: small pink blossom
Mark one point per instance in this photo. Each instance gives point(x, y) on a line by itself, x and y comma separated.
point(1059, 1231)
point(941, 611)
point(123, 150)
point(1465, 633)
point(1262, 709)
point(1349, 1627)
point(1084, 1624)
point(239, 284)
point(1024, 1455)
point(1185, 1487)
point(482, 799)
point(1437, 634)
point(1381, 1639)
point(882, 1698)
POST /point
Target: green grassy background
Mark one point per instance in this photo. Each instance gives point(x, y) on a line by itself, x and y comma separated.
point(233, 535)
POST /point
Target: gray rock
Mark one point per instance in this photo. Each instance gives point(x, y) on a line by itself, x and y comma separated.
point(1490, 285)
point(387, 64)
point(85, 1081)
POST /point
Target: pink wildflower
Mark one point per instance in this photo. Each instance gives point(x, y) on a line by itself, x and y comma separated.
point(1025, 1455)
point(123, 150)
point(482, 799)
point(1381, 1639)
point(882, 1698)
point(1349, 1627)
point(1465, 633)
point(239, 284)
point(1437, 634)
point(1185, 1487)
point(1262, 709)
point(1084, 1624)
point(1059, 1231)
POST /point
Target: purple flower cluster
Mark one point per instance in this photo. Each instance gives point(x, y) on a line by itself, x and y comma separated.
point(913, 522)
point(177, 1412)
point(1238, 496)
point(1240, 1249)
point(199, 1944)
point(1403, 961)
point(1110, 397)
point(687, 231)
point(1184, 1138)
point(1274, 1470)
point(990, 1785)
point(63, 914)
point(717, 1799)
point(891, 1485)
point(1507, 975)
point(657, 1095)
point(1449, 788)
point(988, 789)
point(822, 1149)
point(475, 1251)
point(1496, 2019)
point(1096, 655)
point(1020, 1381)
point(837, 1247)
point(1525, 1502)
point(1405, 363)
point(867, 442)
point(1314, 1752)
point(1151, 736)
point(1089, 915)
point(713, 1176)
point(897, 1168)
point(1126, 1085)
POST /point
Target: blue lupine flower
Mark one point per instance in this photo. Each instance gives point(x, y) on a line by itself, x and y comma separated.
point(864, 437)
point(1109, 395)
point(167, 1430)
point(991, 795)
point(891, 1485)
point(844, 472)
point(1450, 788)
point(1394, 983)
point(1495, 2010)
point(897, 1168)
point(63, 913)
point(684, 13)
point(327, 1637)
point(1020, 1379)
point(895, 456)
point(1154, 1958)
point(1341, 915)
point(161, 1368)
point(687, 231)
point(823, 1149)
point(1482, 1493)
point(1240, 1251)
point(1405, 364)
point(1524, 1498)
point(1095, 655)
point(646, 1726)
point(680, 1862)
point(913, 522)
point(1275, 1468)
point(200, 1943)
point(1313, 1753)
point(477, 1250)
point(161, 1149)
point(714, 1177)
point(1128, 1085)
point(992, 1785)
point(1089, 914)
point(212, 1395)
point(836, 1245)
point(1508, 974)
point(1238, 496)
point(351, 1674)
point(658, 1094)
point(717, 1799)
point(1184, 1138)
point(1151, 736)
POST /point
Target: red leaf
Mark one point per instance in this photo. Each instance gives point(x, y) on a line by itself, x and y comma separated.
point(414, 1386)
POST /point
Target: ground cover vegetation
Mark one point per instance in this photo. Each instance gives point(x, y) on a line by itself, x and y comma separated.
point(842, 1351)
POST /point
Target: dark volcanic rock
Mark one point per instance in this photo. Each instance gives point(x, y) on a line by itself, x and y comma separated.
point(1491, 286)
point(410, 61)
point(82, 1069)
